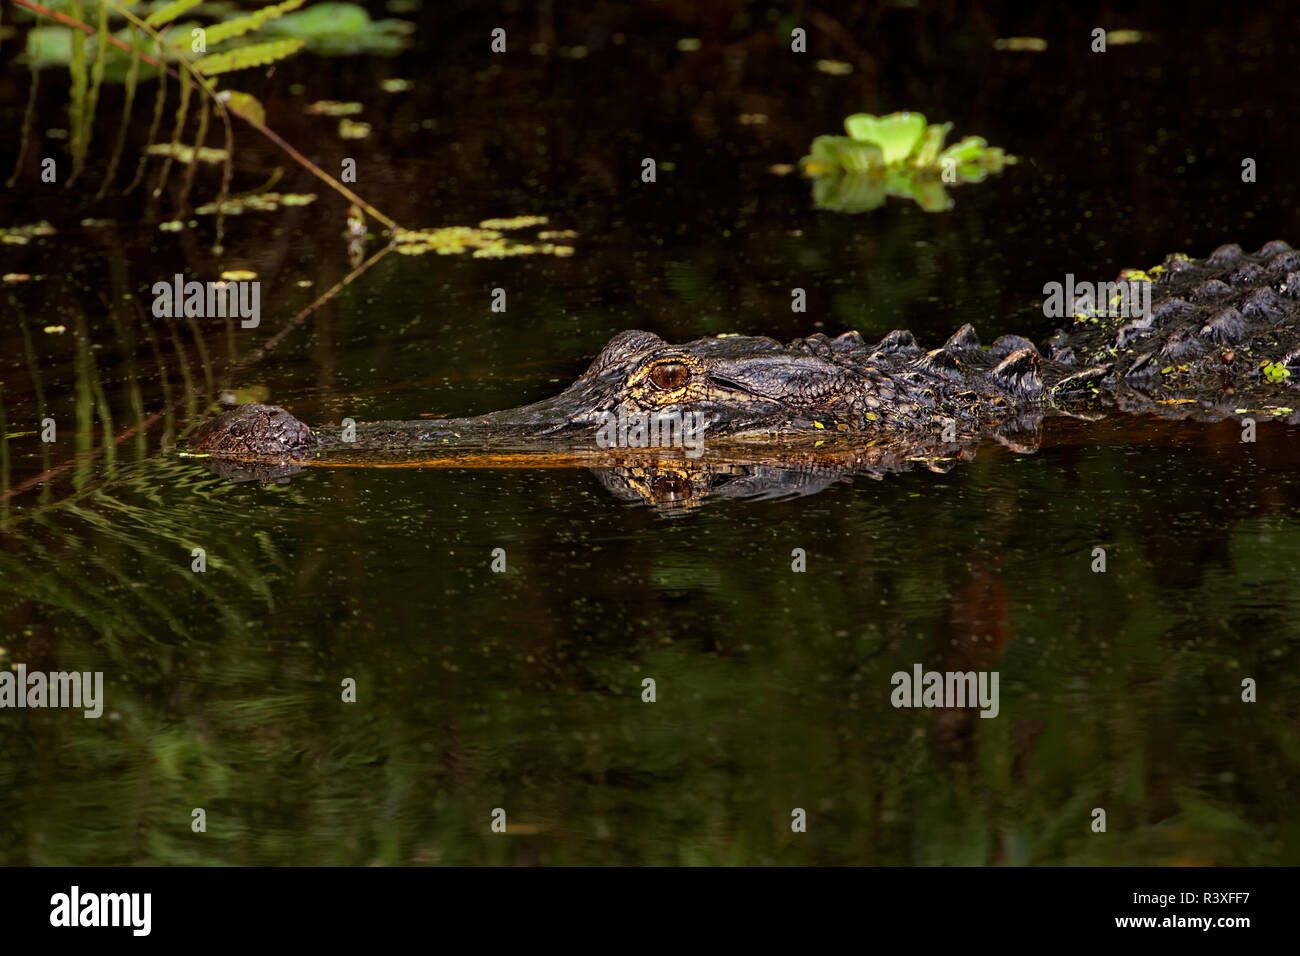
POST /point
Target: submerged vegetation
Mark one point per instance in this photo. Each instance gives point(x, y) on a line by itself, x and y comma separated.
point(895, 155)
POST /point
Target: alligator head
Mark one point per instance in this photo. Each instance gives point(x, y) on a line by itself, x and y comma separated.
point(738, 384)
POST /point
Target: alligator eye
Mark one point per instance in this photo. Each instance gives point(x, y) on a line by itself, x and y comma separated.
point(669, 376)
point(236, 430)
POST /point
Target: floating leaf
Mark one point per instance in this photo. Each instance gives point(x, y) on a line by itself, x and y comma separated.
point(896, 134)
point(262, 202)
point(895, 155)
point(1275, 372)
point(927, 154)
point(822, 157)
point(185, 154)
point(482, 243)
point(842, 153)
point(857, 157)
point(1125, 37)
point(332, 108)
point(21, 235)
point(965, 151)
point(1021, 44)
point(834, 67)
point(351, 129)
point(518, 222)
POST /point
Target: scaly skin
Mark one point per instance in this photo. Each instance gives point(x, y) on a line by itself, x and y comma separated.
point(1222, 336)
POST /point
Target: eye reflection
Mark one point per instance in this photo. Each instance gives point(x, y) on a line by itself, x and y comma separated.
point(669, 376)
point(670, 488)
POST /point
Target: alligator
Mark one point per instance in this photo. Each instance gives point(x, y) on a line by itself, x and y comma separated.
point(1221, 338)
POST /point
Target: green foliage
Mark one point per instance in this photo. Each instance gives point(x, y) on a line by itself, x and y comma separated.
point(238, 26)
point(132, 54)
point(896, 134)
point(1276, 372)
point(895, 155)
point(170, 12)
point(257, 54)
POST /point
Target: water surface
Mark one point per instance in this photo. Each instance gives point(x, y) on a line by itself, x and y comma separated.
point(523, 689)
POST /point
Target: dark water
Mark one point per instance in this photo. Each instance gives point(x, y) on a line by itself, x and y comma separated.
point(522, 690)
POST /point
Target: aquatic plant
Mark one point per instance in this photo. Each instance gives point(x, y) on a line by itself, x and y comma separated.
point(159, 46)
point(895, 155)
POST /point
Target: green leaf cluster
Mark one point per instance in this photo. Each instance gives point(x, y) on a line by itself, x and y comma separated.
point(895, 155)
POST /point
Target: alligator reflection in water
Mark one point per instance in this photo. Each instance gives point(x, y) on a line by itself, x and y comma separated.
point(675, 483)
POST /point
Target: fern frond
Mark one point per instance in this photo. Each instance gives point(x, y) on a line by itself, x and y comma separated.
point(220, 32)
point(170, 12)
point(257, 54)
